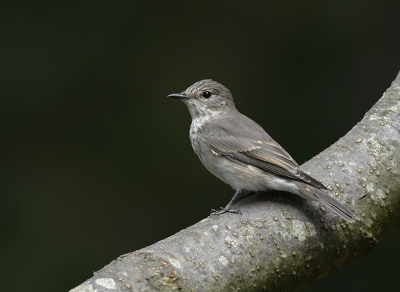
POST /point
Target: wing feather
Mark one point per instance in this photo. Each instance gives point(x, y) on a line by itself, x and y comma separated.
point(243, 140)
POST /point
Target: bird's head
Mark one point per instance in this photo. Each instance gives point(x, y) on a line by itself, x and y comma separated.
point(206, 98)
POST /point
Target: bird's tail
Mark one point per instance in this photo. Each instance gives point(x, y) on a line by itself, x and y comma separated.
point(329, 202)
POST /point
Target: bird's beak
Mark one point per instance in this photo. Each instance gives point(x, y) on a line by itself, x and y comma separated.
point(178, 96)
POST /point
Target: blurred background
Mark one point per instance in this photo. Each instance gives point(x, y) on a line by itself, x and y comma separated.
point(96, 160)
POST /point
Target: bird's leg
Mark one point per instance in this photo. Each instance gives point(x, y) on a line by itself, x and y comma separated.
point(235, 197)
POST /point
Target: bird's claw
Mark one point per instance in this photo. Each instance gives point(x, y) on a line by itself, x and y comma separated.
point(224, 210)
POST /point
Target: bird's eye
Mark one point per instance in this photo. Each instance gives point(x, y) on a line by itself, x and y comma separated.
point(207, 94)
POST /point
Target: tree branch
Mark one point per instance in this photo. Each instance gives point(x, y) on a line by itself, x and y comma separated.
point(282, 242)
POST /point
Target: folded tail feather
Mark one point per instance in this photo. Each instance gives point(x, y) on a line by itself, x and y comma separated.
point(329, 202)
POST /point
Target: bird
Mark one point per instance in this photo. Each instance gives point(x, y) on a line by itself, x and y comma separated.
point(239, 152)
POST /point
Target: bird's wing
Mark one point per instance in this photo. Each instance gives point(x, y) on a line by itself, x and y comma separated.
point(241, 139)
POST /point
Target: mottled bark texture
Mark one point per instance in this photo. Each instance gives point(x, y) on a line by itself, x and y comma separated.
point(282, 242)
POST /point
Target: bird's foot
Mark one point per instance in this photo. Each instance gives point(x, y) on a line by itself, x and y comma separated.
point(224, 210)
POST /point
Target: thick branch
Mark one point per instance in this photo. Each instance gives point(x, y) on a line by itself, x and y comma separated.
point(281, 241)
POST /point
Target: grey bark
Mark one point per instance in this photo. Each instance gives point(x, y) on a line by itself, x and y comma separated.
point(282, 242)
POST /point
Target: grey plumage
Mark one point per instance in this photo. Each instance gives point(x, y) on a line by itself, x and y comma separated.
point(239, 152)
point(244, 140)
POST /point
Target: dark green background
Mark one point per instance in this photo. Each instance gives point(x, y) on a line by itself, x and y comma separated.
point(96, 161)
